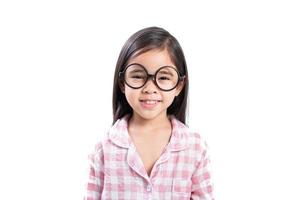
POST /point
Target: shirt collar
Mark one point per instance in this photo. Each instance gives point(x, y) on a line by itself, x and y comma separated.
point(118, 134)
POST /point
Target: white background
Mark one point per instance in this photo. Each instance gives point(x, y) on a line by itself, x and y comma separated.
point(57, 61)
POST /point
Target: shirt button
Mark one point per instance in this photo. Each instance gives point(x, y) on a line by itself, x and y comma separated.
point(149, 188)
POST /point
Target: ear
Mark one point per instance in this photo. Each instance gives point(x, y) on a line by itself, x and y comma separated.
point(179, 87)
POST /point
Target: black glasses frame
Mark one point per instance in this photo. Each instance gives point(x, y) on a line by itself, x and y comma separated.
point(150, 76)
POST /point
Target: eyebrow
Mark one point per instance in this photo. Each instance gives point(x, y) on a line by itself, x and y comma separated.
point(163, 71)
point(166, 72)
point(136, 70)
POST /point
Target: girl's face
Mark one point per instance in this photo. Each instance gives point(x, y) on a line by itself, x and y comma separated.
point(149, 102)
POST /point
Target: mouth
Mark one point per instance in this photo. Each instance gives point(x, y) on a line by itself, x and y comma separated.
point(149, 103)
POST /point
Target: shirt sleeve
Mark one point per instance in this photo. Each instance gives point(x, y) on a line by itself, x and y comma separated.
point(94, 185)
point(202, 187)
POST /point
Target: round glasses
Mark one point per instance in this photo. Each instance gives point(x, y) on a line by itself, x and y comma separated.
point(166, 78)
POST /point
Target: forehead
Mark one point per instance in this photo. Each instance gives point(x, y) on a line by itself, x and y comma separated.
point(153, 59)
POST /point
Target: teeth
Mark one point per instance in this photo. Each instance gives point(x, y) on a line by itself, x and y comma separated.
point(151, 102)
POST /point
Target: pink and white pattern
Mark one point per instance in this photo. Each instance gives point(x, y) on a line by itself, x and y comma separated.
point(181, 172)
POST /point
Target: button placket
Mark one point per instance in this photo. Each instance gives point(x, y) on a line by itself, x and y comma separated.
point(149, 188)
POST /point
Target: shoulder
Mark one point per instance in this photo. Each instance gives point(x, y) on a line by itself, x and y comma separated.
point(99, 146)
point(194, 141)
point(97, 152)
point(197, 139)
point(197, 142)
point(114, 137)
point(184, 132)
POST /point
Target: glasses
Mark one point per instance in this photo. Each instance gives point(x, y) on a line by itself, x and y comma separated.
point(166, 78)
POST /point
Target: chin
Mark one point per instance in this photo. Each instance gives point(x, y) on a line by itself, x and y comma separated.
point(149, 115)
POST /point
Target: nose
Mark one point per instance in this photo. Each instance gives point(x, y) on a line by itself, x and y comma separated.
point(150, 86)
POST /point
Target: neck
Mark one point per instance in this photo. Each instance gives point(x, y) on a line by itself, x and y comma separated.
point(138, 122)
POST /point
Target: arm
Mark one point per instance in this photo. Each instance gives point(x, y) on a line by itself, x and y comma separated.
point(94, 184)
point(202, 187)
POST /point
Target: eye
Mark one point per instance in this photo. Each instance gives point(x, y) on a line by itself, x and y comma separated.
point(137, 76)
point(164, 78)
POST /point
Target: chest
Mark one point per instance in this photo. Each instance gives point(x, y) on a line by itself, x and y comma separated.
point(172, 177)
point(149, 152)
point(150, 146)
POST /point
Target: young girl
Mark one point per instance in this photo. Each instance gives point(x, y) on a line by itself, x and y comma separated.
point(149, 152)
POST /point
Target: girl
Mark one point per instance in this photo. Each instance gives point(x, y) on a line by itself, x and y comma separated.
point(149, 152)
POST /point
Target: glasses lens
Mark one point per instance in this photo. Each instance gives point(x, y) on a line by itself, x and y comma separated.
point(167, 78)
point(135, 76)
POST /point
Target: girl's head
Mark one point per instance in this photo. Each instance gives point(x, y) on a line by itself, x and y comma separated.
point(151, 51)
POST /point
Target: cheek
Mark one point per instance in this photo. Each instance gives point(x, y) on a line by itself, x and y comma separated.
point(169, 98)
point(131, 95)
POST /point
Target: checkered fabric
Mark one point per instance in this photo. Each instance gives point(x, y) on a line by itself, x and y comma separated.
point(181, 172)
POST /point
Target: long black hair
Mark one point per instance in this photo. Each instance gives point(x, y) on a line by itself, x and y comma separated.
point(140, 42)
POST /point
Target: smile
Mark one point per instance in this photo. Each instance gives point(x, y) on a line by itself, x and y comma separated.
point(149, 103)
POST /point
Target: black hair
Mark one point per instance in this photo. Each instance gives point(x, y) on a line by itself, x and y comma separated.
point(140, 42)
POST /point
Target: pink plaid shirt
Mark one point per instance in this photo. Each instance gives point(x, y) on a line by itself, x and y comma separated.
point(181, 172)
